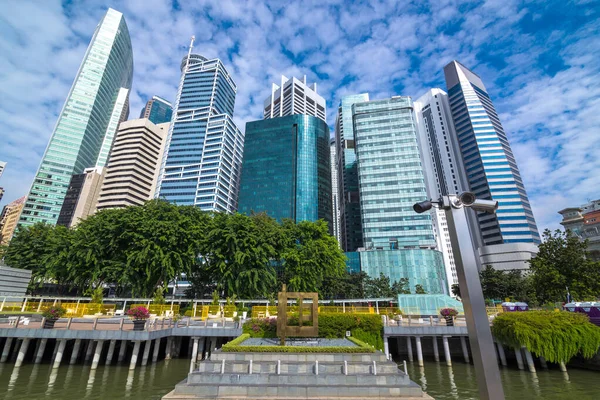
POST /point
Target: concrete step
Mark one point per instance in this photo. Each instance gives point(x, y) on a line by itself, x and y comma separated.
point(270, 367)
point(294, 392)
point(395, 380)
point(325, 357)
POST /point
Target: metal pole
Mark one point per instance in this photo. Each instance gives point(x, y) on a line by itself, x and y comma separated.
point(478, 325)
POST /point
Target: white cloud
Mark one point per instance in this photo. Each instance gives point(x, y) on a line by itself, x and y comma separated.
point(381, 47)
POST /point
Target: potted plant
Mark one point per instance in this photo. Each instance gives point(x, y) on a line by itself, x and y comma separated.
point(244, 311)
point(139, 315)
point(51, 315)
point(449, 314)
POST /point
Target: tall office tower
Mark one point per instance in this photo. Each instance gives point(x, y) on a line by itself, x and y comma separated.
point(286, 170)
point(334, 193)
point(134, 164)
point(2, 166)
point(443, 168)
point(82, 195)
point(351, 237)
point(90, 115)
point(398, 242)
point(9, 219)
point(202, 162)
point(293, 96)
point(157, 110)
point(490, 165)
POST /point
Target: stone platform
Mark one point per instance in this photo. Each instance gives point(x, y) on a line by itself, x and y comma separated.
point(295, 376)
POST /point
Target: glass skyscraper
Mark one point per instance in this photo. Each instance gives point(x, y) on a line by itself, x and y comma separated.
point(286, 171)
point(202, 162)
point(488, 159)
point(86, 125)
point(390, 175)
point(349, 207)
point(157, 110)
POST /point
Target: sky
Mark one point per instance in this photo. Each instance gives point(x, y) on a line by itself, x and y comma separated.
point(538, 60)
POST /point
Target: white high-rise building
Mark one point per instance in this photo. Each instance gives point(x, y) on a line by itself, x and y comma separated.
point(334, 193)
point(444, 170)
point(294, 96)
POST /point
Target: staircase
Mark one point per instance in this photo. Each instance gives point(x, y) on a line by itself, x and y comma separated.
point(294, 376)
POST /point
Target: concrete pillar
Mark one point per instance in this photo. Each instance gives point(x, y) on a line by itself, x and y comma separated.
point(156, 349)
point(213, 345)
point(501, 354)
point(194, 354)
point(90, 349)
point(436, 350)
point(111, 351)
point(59, 353)
point(75, 352)
point(134, 355)
point(409, 347)
point(519, 358)
point(6, 349)
point(419, 351)
point(55, 349)
point(529, 359)
point(543, 363)
point(201, 348)
point(146, 352)
point(22, 352)
point(168, 348)
point(386, 347)
point(465, 349)
point(446, 351)
point(97, 354)
point(122, 349)
point(40, 351)
point(562, 366)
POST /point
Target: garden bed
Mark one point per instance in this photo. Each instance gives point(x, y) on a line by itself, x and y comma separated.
point(308, 345)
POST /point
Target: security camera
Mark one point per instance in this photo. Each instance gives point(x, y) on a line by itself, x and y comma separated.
point(488, 206)
point(422, 206)
point(467, 198)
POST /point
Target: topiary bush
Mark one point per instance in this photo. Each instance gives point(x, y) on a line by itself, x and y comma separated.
point(556, 336)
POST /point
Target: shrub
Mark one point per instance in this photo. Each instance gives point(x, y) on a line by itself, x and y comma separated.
point(159, 297)
point(54, 312)
point(556, 336)
point(139, 313)
point(261, 327)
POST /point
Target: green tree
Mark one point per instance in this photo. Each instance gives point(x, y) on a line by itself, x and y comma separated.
point(562, 261)
point(379, 287)
point(419, 289)
point(401, 286)
point(348, 286)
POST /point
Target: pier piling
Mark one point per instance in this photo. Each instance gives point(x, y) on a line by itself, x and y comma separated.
point(6, 349)
point(75, 352)
point(419, 351)
point(40, 351)
point(97, 354)
point(22, 352)
point(446, 351)
point(60, 350)
point(529, 359)
point(436, 350)
point(134, 355)
point(122, 349)
point(111, 351)
point(501, 354)
point(519, 357)
point(409, 348)
point(465, 350)
point(147, 345)
point(156, 349)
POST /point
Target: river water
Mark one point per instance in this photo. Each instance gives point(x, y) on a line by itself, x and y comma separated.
point(77, 382)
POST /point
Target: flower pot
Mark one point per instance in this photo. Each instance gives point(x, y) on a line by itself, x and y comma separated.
point(139, 324)
point(49, 323)
point(244, 314)
point(449, 321)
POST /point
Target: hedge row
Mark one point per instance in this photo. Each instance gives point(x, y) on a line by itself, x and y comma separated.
point(235, 346)
point(367, 328)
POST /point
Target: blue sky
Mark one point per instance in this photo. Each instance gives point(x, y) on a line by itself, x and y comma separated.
point(538, 60)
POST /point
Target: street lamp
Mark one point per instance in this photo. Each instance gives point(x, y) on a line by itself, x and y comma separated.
point(478, 326)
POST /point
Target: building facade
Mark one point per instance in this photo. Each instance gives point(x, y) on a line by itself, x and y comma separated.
point(157, 110)
point(82, 195)
point(489, 163)
point(93, 107)
point(293, 96)
point(390, 175)
point(286, 170)
point(134, 164)
point(351, 237)
point(584, 222)
point(9, 219)
point(201, 165)
point(334, 192)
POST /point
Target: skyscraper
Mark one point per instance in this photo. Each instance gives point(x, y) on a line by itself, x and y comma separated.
point(96, 103)
point(398, 242)
point(134, 164)
point(82, 195)
point(443, 169)
point(294, 96)
point(488, 159)
point(202, 162)
point(157, 110)
point(9, 219)
point(350, 223)
point(286, 170)
point(2, 166)
point(335, 193)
